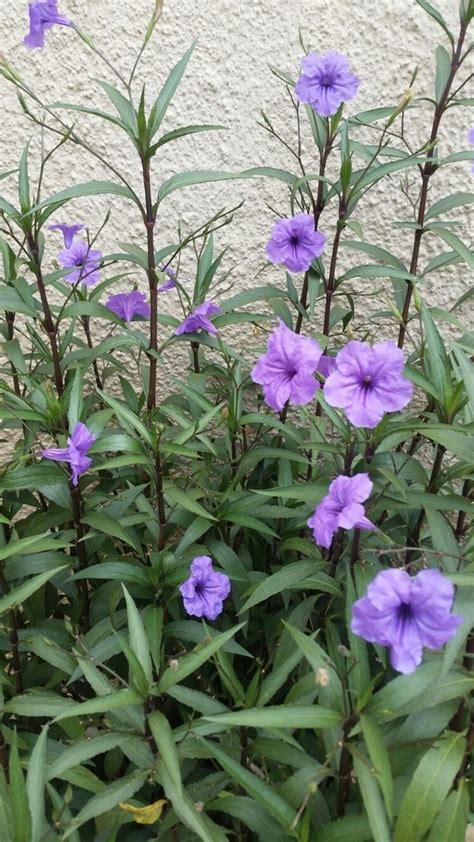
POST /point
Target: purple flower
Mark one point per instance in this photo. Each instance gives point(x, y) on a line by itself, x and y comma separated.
point(79, 443)
point(294, 243)
point(406, 613)
point(368, 382)
point(129, 305)
point(43, 15)
point(83, 261)
point(68, 232)
point(169, 284)
point(286, 371)
point(326, 82)
point(198, 319)
point(341, 508)
point(205, 590)
point(326, 365)
point(470, 135)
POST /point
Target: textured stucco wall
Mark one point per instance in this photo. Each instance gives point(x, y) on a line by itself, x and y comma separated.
point(228, 82)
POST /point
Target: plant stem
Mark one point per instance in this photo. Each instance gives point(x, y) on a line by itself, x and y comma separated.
point(85, 325)
point(150, 220)
point(13, 638)
point(330, 286)
point(81, 553)
point(467, 491)
point(345, 767)
point(427, 171)
point(432, 488)
point(49, 325)
point(317, 210)
point(195, 350)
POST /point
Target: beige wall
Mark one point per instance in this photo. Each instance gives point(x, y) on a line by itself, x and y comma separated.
point(228, 82)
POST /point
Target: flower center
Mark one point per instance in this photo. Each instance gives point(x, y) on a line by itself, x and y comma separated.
point(405, 612)
point(294, 240)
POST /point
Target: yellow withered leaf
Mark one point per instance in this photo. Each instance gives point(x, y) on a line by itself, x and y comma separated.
point(144, 815)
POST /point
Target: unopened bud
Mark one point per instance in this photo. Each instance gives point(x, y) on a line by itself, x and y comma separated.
point(343, 650)
point(174, 665)
point(199, 806)
point(321, 677)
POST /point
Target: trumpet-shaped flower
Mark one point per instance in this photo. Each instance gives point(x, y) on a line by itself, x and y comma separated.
point(75, 454)
point(341, 508)
point(43, 15)
point(326, 81)
point(205, 590)
point(406, 613)
point(294, 243)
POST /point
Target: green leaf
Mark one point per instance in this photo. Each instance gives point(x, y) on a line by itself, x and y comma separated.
point(89, 188)
point(185, 130)
point(429, 787)
point(75, 400)
point(371, 270)
point(23, 181)
point(169, 775)
point(379, 758)
point(191, 662)
point(137, 637)
point(21, 594)
point(348, 829)
point(280, 716)
point(332, 694)
point(437, 16)
point(420, 690)
point(448, 203)
point(452, 240)
point(32, 543)
point(182, 498)
point(188, 179)
point(115, 792)
point(84, 750)
point(35, 784)
point(256, 788)
point(123, 106)
point(443, 69)
point(285, 578)
point(435, 358)
point(372, 799)
point(451, 822)
point(112, 701)
point(167, 92)
point(377, 252)
point(19, 795)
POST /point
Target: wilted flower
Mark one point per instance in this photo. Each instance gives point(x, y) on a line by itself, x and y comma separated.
point(171, 274)
point(294, 243)
point(341, 508)
point(43, 15)
point(199, 319)
point(368, 382)
point(205, 590)
point(129, 305)
point(406, 613)
point(83, 261)
point(79, 443)
point(286, 371)
point(326, 82)
point(68, 232)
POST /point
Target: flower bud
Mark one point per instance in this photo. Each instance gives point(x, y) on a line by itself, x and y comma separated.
point(321, 677)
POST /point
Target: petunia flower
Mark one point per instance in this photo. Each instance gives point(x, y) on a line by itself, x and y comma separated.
point(205, 590)
point(129, 305)
point(199, 319)
point(286, 371)
point(326, 81)
point(368, 381)
point(78, 443)
point(341, 508)
point(171, 282)
point(294, 243)
point(43, 15)
point(83, 262)
point(406, 613)
point(68, 232)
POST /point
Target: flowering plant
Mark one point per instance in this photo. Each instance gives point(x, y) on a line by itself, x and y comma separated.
point(237, 604)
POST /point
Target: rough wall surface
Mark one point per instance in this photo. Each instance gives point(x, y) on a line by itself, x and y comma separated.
point(228, 82)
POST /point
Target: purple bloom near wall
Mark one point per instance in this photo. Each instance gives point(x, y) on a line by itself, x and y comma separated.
point(470, 135)
point(294, 243)
point(78, 443)
point(286, 371)
point(68, 232)
point(199, 319)
point(83, 262)
point(341, 508)
point(43, 15)
point(326, 81)
point(171, 282)
point(205, 590)
point(406, 613)
point(368, 382)
point(326, 365)
point(129, 305)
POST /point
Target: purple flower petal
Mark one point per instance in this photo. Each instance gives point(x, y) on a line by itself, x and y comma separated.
point(68, 232)
point(83, 263)
point(294, 243)
point(43, 15)
point(341, 508)
point(199, 319)
point(406, 613)
point(129, 305)
point(326, 81)
point(79, 442)
point(205, 590)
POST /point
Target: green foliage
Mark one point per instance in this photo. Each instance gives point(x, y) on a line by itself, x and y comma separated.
point(274, 720)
